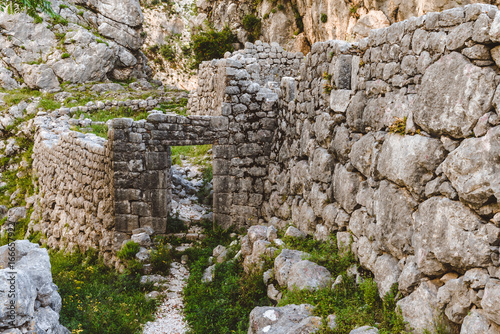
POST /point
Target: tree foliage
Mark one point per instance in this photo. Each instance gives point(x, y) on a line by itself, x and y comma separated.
point(211, 44)
point(31, 7)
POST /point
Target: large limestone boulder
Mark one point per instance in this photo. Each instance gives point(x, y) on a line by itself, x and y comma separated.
point(473, 168)
point(283, 320)
point(345, 187)
point(308, 275)
point(284, 262)
point(448, 234)
point(453, 95)
point(410, 160)
point(491, 301)
point(37, 302)
point(127, 12)
point(455, 298)
point(393, 209)
point(22, 309)
point(476, 323)
point(419, 308)
point(374, 19)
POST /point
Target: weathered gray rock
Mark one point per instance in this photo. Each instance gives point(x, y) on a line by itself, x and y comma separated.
point(40, 77)
point(208, 274)
point(393, 208)
point(363, 154)
point(364, 330)
point(455, 298)
point(386, 272)
point(476, 323)
point(419, 308)
point(345, 187)
point(475, 181)
point(283, 320)
point(322, 165)
point(22, 309)
point(491, 301)
point(284, 262)
point(410, 160)
point(410, 276)
point(465, 94)
point(447, 233)
point(294, 233)
point(308, 275)
point(220, 253)
point(476, 278)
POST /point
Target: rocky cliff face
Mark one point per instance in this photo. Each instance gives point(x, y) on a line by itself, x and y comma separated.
point(90, 41)
point(297, 24)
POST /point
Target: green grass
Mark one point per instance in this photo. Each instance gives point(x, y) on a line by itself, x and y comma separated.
point(178, 107)
point(354, 305)
point(49, 104)
point(195, 153)
point(106, 115)
point(97, 299)
point(18, 95)
point(224, 305)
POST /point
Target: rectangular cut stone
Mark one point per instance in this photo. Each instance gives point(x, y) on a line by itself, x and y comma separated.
point(157, 160)
point(126, 223)
point(339, 100)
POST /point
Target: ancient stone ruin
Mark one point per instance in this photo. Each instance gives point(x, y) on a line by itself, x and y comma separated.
point(392, 143)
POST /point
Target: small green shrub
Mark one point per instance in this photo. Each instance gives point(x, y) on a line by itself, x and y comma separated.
point(324, 17)
point(63, 6)
point(128, 251)
point(211, 44)
point(399, 126)
point(327, 77)
point(161, 258)
point(281, 7)
point(167, 51)
point(175, 224)
point(253, 25)
point(266, 16)
point(65, 55)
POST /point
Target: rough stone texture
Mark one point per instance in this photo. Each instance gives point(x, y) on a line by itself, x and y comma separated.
point(419, 308)
point(447, 233)
point(284, 262)
point(476, 181)
point(491, 301)
point(468, 95)
point(308, 275)
point(476, 323)
point(28, 277)
point(410, 160)
point(283, 320)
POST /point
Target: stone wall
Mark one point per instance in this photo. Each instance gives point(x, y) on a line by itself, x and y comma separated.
point(420, 207)
point(141, 160)
point(261, 62)
point(75, 201)
point(391, 144)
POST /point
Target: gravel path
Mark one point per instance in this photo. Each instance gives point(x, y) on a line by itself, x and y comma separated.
point(169, 318)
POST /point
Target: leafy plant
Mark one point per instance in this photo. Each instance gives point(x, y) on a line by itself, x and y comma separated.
point(30, 6)
point(211, 44)
point(324, 17)
point(65, 55)
point(128, 251)
point(399, 125)
point(253, 25)
point(96, 298)
point(168, 52)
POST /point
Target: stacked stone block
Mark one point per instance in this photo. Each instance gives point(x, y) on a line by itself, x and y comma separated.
point(416, 205)
point(75, 200)
point(263, 62)
point(141, 160)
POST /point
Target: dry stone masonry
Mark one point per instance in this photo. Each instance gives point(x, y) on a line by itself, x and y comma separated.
point(391, 143)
